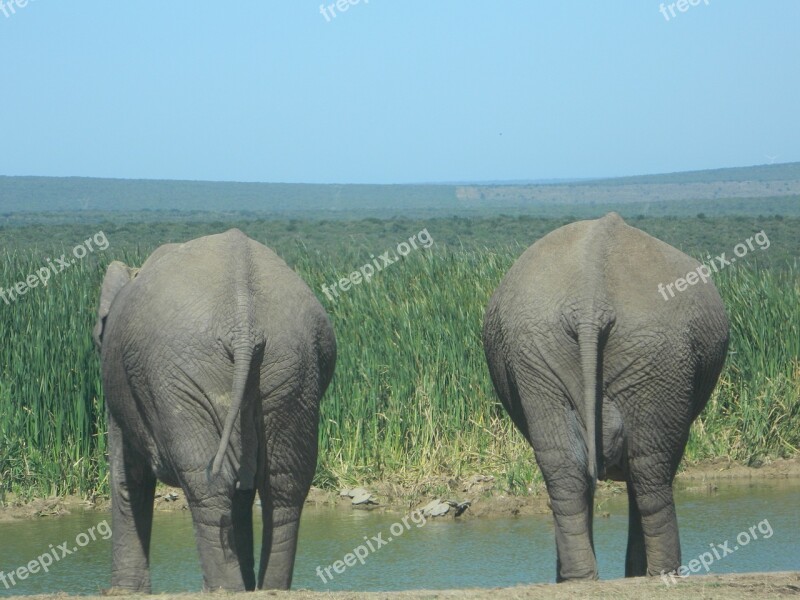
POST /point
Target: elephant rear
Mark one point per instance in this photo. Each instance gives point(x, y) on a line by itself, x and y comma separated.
point(602, 375)
point(219, 323)
point(215, 357)
point(581, 308)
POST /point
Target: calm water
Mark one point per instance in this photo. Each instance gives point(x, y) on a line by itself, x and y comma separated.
point(439, 554)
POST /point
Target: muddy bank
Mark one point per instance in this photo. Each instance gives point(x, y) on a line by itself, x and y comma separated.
point(485, 495)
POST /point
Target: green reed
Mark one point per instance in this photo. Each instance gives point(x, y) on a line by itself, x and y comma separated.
point(51, 406)
point(755, 409)
point(411, 397)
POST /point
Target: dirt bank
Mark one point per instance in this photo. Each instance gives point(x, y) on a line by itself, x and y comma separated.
point(485, 494)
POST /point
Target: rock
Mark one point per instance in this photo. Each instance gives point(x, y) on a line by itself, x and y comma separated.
point(426, 510)
point(362, 496)
point(437, 508)
point(359, 495)
point(440, 509)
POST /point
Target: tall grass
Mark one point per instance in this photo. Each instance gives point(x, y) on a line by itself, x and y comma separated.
point(755, 409)
point(411, 396)
point(51, 406)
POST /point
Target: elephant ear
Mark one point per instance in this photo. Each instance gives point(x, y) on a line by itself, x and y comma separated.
point(118, 275)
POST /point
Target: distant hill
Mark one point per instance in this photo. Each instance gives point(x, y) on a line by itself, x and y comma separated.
point(765, 188)
point(761, 173)
point(41, 194)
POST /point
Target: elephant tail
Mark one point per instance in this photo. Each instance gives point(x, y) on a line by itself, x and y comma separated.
point(244, 348)
point(242, 360)
point(588, 344)
point(591, 337)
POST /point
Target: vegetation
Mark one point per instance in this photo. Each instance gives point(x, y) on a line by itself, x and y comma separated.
point(765, 189)
point(411, 396)
point(291, 237)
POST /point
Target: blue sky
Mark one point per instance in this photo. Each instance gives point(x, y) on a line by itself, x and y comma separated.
point(395, 92)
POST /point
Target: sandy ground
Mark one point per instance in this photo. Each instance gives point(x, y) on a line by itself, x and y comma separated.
point(745, 585)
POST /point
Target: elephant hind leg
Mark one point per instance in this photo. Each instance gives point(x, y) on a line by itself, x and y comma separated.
point(651, 480)
point(558, 441)
point(132, 493)
point(278, 544)
point(222, 515)
point(654, 451)
point(635, 556)
point(282, 496)
point(223, 527)
point(243, 535)
point(572, 512)
point(289, 468)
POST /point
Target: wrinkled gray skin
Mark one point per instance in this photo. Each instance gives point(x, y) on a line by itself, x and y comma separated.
point(604, 378)
point(215, 355)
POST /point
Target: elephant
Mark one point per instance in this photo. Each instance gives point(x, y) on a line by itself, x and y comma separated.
point(604, 375)
point(214, 358)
